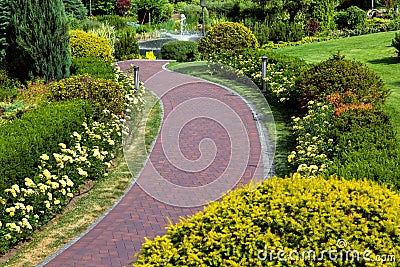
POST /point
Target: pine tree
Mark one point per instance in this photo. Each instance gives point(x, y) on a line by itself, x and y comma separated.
point(38, 40)
point(75, 8)
point(4, 21)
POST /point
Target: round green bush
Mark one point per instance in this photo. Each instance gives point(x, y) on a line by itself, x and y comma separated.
point(292, 214)
point(227, 36)
point(85, 44)
point(103, 94)
point(343, 82)
point(181, 51)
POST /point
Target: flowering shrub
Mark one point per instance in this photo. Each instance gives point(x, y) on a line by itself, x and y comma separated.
point(314, 148)
point(27, 206)
point(282, 71)
point(31, 203)
point(36, 91)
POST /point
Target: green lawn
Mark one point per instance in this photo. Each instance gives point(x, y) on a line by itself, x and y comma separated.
point(374, 50)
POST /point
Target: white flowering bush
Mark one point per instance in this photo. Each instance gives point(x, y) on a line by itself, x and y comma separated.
point(88, 155)
point(314, 148)
point(281, 73)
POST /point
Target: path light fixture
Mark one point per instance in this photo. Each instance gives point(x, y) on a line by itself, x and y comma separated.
point(264, 74)
point(90, 10)
point(136, 78)
point(203, 26)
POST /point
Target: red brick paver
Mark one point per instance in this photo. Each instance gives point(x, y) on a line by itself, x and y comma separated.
point(120, 234)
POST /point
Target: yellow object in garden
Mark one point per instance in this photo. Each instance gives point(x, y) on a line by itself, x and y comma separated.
point(150, 55)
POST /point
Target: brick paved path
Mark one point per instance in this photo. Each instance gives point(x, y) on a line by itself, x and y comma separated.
point(115, 239)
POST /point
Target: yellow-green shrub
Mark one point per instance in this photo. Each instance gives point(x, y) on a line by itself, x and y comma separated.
point(292, 214)
point(227, 36)
point(104, 94)
point(85, 44)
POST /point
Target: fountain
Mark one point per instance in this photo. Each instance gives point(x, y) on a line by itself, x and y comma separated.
point(156, 44)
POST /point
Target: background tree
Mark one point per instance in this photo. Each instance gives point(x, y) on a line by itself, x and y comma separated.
point(4, 21)
point(101, 7)
point(153, 11)
point(123, 6)
point(38, 40)
point(75, 8)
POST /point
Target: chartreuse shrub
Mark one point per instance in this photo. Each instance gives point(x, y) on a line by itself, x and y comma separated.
point(342, 82)
point(101, 92)
point(366, 146)
point(181, 51)
point(227, 36)
point(302, 219)
point(38, 131)
point(95, 67)
point(85, 44)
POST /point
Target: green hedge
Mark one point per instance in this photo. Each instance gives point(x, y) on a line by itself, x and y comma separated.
point(181, 51)
point(292, 214)
point(39, 131)
point(95, 67)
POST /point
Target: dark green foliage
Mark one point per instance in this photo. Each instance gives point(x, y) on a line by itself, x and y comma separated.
point(102, 93)
point(352, 18)
point(4, 21)
point(155, 10)
point(181, 51)
point(260, 29)
point(193, 15)
point(101, 7)
point(116, 21)
point(286, 32)
point(38, 40)
point(396, 43)
point(342, 81)
point(366, 147)
point(39, 131)
point(75, 8)
point(126, 46)
point(95, 67)
point(9, 87)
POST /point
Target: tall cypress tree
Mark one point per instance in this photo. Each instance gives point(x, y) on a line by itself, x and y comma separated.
point(38, 40)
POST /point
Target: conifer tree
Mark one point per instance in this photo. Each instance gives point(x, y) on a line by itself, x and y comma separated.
point(75, 8)
point(38, 40)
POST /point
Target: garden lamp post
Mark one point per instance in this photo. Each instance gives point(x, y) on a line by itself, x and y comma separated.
point(136, 78)
point(264, 73)
point(203, 26)
point(372, 2)
point(90, 9)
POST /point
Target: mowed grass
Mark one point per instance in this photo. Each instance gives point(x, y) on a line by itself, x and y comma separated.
point(374, 50)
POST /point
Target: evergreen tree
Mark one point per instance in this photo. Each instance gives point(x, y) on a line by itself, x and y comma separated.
point(75, 8)
point(4, 20)
point(38, 40)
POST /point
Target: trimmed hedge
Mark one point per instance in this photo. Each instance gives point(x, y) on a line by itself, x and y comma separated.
point(292, 214)
point(85, 44)
point(38, 131)
point(181, 51)
point(342, 82)
point(227, 36)
point(103, 94)
point(95, 67)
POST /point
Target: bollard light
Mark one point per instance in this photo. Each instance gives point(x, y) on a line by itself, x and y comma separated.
point(203, 5)
point(264, 74)
point(136, 77)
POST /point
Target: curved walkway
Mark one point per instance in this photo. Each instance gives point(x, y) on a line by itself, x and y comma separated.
point(199, 120)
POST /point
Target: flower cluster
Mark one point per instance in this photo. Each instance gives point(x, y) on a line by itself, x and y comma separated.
point(87, 156)
point(314, 148)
